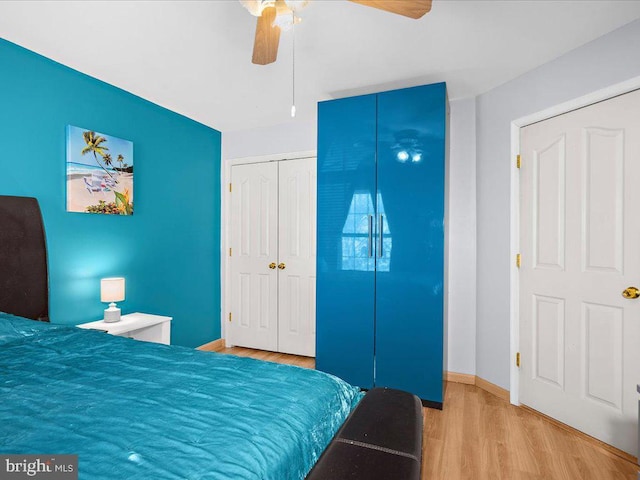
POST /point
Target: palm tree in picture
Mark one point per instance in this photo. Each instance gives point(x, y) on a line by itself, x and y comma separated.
point(120, 160)
point(95, 144)
point(108, 161)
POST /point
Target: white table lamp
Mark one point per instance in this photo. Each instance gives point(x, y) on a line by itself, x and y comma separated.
point(112, 290)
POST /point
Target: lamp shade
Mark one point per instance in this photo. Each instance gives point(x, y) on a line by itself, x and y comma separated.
point(112, 289)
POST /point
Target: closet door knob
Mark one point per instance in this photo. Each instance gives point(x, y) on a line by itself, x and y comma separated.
point(282, 266)
point(272, 265)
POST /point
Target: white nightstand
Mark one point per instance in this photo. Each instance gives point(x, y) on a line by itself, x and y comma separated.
point(141, 326)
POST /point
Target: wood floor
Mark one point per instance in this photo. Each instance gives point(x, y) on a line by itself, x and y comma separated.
point(479, 436)
point(306, 362)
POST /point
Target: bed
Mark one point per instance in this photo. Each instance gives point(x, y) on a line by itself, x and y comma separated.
point(139, 410)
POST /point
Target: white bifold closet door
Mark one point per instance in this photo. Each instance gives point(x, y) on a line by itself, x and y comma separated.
point(254, 245)
point(297, 186)
point(580, 245)
point(273, 256)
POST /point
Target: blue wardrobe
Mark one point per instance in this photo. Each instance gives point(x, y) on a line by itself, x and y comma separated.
point(380, 270)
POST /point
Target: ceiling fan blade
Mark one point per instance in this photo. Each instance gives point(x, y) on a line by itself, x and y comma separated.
point(282, 8)
point(265, 45)
point(407, 8)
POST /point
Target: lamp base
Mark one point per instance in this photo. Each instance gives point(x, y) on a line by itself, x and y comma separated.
point(112, 314)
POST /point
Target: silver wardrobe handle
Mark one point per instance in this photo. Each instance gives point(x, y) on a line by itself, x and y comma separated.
point(370, 236)
point(381, 227)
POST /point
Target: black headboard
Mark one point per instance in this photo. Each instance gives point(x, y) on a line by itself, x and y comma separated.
point(24, 284)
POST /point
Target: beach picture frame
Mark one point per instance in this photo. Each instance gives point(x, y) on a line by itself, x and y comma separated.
point(99, 173)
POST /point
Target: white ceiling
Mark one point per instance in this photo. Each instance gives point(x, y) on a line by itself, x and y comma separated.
point(194, 57)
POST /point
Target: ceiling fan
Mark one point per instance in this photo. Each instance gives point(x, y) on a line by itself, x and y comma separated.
point(275, 15)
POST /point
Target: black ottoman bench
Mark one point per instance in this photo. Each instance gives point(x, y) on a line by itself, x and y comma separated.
point(381, 439)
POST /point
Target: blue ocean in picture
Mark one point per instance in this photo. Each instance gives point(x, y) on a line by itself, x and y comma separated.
point(82, 168)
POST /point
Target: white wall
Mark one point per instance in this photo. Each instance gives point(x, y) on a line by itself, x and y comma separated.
point(298, 136)
point(610, 59)
point(462, 238)
point(294, 136)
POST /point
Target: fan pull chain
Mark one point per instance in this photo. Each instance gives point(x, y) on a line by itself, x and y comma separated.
point(293, 66)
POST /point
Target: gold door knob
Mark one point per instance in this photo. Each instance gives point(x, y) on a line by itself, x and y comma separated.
point(631, 293)
point(282, 266)
point(272, 265)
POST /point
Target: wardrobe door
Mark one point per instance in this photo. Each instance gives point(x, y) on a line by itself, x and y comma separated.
point(346, 247)
point(410, 258)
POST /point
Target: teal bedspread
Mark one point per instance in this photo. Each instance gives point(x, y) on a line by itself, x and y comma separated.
point(136, 410)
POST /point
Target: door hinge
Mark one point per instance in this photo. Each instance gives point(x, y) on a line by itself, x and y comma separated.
point(229, 316)
point(230, 185)
point(518, 162)
point(518, 359)
point(230, 251)
point(518, 260)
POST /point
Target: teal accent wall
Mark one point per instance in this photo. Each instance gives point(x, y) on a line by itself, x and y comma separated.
point(169, 250)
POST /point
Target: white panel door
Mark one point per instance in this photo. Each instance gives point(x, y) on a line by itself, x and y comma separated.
point(297, 257)
point(254, 243)
point(580, 245)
